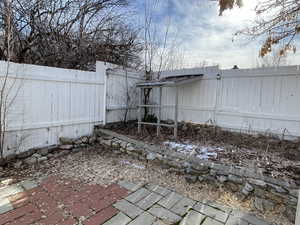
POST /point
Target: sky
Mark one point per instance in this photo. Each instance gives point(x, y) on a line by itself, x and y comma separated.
point(202, 35)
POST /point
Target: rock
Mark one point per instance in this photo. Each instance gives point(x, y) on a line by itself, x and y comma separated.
point(201, 178)
point(293, 201)
point(263, 204)
point(235, 179)
point(115, 144)
point(10, 157)
point(78, 141)
point(17, 165)
point(31, 160)
point(213, 173)
point(36, 155)
point(164, 166)
point(99, 139)
point(207, 178)
point(256, 182)
point(23, 155)
point(42, 159)
point(77, 150)
point(290, 213)
point(61, 153)
point(200, 167)
point(240, 196)
point(44, 151)
point(190, 179)
point(84, 140)
point(222, 179)
point(106, 142)
point(66, 147)
point(124, 144)
point(52, 148)
point(130, 149)
point(65, 141)
point(50, 155)
point(278, 188)
point(92, 140)
point(248, 188)
point(151, 156)
point(187, 165)
point(294, 193)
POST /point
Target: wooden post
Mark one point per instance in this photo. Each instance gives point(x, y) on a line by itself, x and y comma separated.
point(298, 211)
point(140, 111)
point(176, 113)
point(159, 111)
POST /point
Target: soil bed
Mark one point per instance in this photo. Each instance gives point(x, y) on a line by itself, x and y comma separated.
point(274, 155)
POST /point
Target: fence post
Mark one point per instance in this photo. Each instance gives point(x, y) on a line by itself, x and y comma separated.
point(101, 71)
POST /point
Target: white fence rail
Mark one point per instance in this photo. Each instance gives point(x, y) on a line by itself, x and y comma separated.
point(48, 103)
point(247, 100)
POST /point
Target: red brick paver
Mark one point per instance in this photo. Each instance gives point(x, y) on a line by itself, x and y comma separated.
point(63, 202)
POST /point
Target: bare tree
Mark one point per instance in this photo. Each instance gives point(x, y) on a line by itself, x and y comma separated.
point(273, 59)
point(278, 21)
point(70, 33)
point(6, 95)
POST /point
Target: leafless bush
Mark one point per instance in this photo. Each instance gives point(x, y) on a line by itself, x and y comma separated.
point(69, 33)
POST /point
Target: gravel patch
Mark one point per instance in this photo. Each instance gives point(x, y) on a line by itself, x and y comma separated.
point(105, 167)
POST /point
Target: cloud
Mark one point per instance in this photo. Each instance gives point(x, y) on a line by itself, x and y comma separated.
point(203, 35)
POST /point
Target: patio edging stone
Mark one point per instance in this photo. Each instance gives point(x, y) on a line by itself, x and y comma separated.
point(267, 192)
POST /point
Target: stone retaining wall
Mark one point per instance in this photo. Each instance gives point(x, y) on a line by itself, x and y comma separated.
point(268, 193)
point(39, 155)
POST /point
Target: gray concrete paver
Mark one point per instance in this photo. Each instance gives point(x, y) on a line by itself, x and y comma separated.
point(127, 208)
point(211, 212)
point(138, 195)
point(164, 214)
point(170, 200)
point(210, 221)
point(158, 189)
point(182, 206)
point(193, 218)
point(144, 219)
point(149, 201)
point(130, 186)
point(232, 220)
point(119, 219)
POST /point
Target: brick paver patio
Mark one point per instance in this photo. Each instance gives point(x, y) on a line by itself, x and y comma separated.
point(57, 201)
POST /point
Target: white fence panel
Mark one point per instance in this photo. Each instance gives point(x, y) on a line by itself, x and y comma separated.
point(263, 100)
point(247, 100)
point(50, 103)
point(122, 94)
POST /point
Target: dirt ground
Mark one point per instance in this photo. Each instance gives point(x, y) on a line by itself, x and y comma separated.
point(274, 155)
point(104, 167)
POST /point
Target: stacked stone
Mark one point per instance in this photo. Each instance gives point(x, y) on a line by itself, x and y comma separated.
point(268, 193)
point(39, 155)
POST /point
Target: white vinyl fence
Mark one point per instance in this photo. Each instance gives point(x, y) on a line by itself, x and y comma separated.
point(121, 94)
point(48, 103)
point(247, 100)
